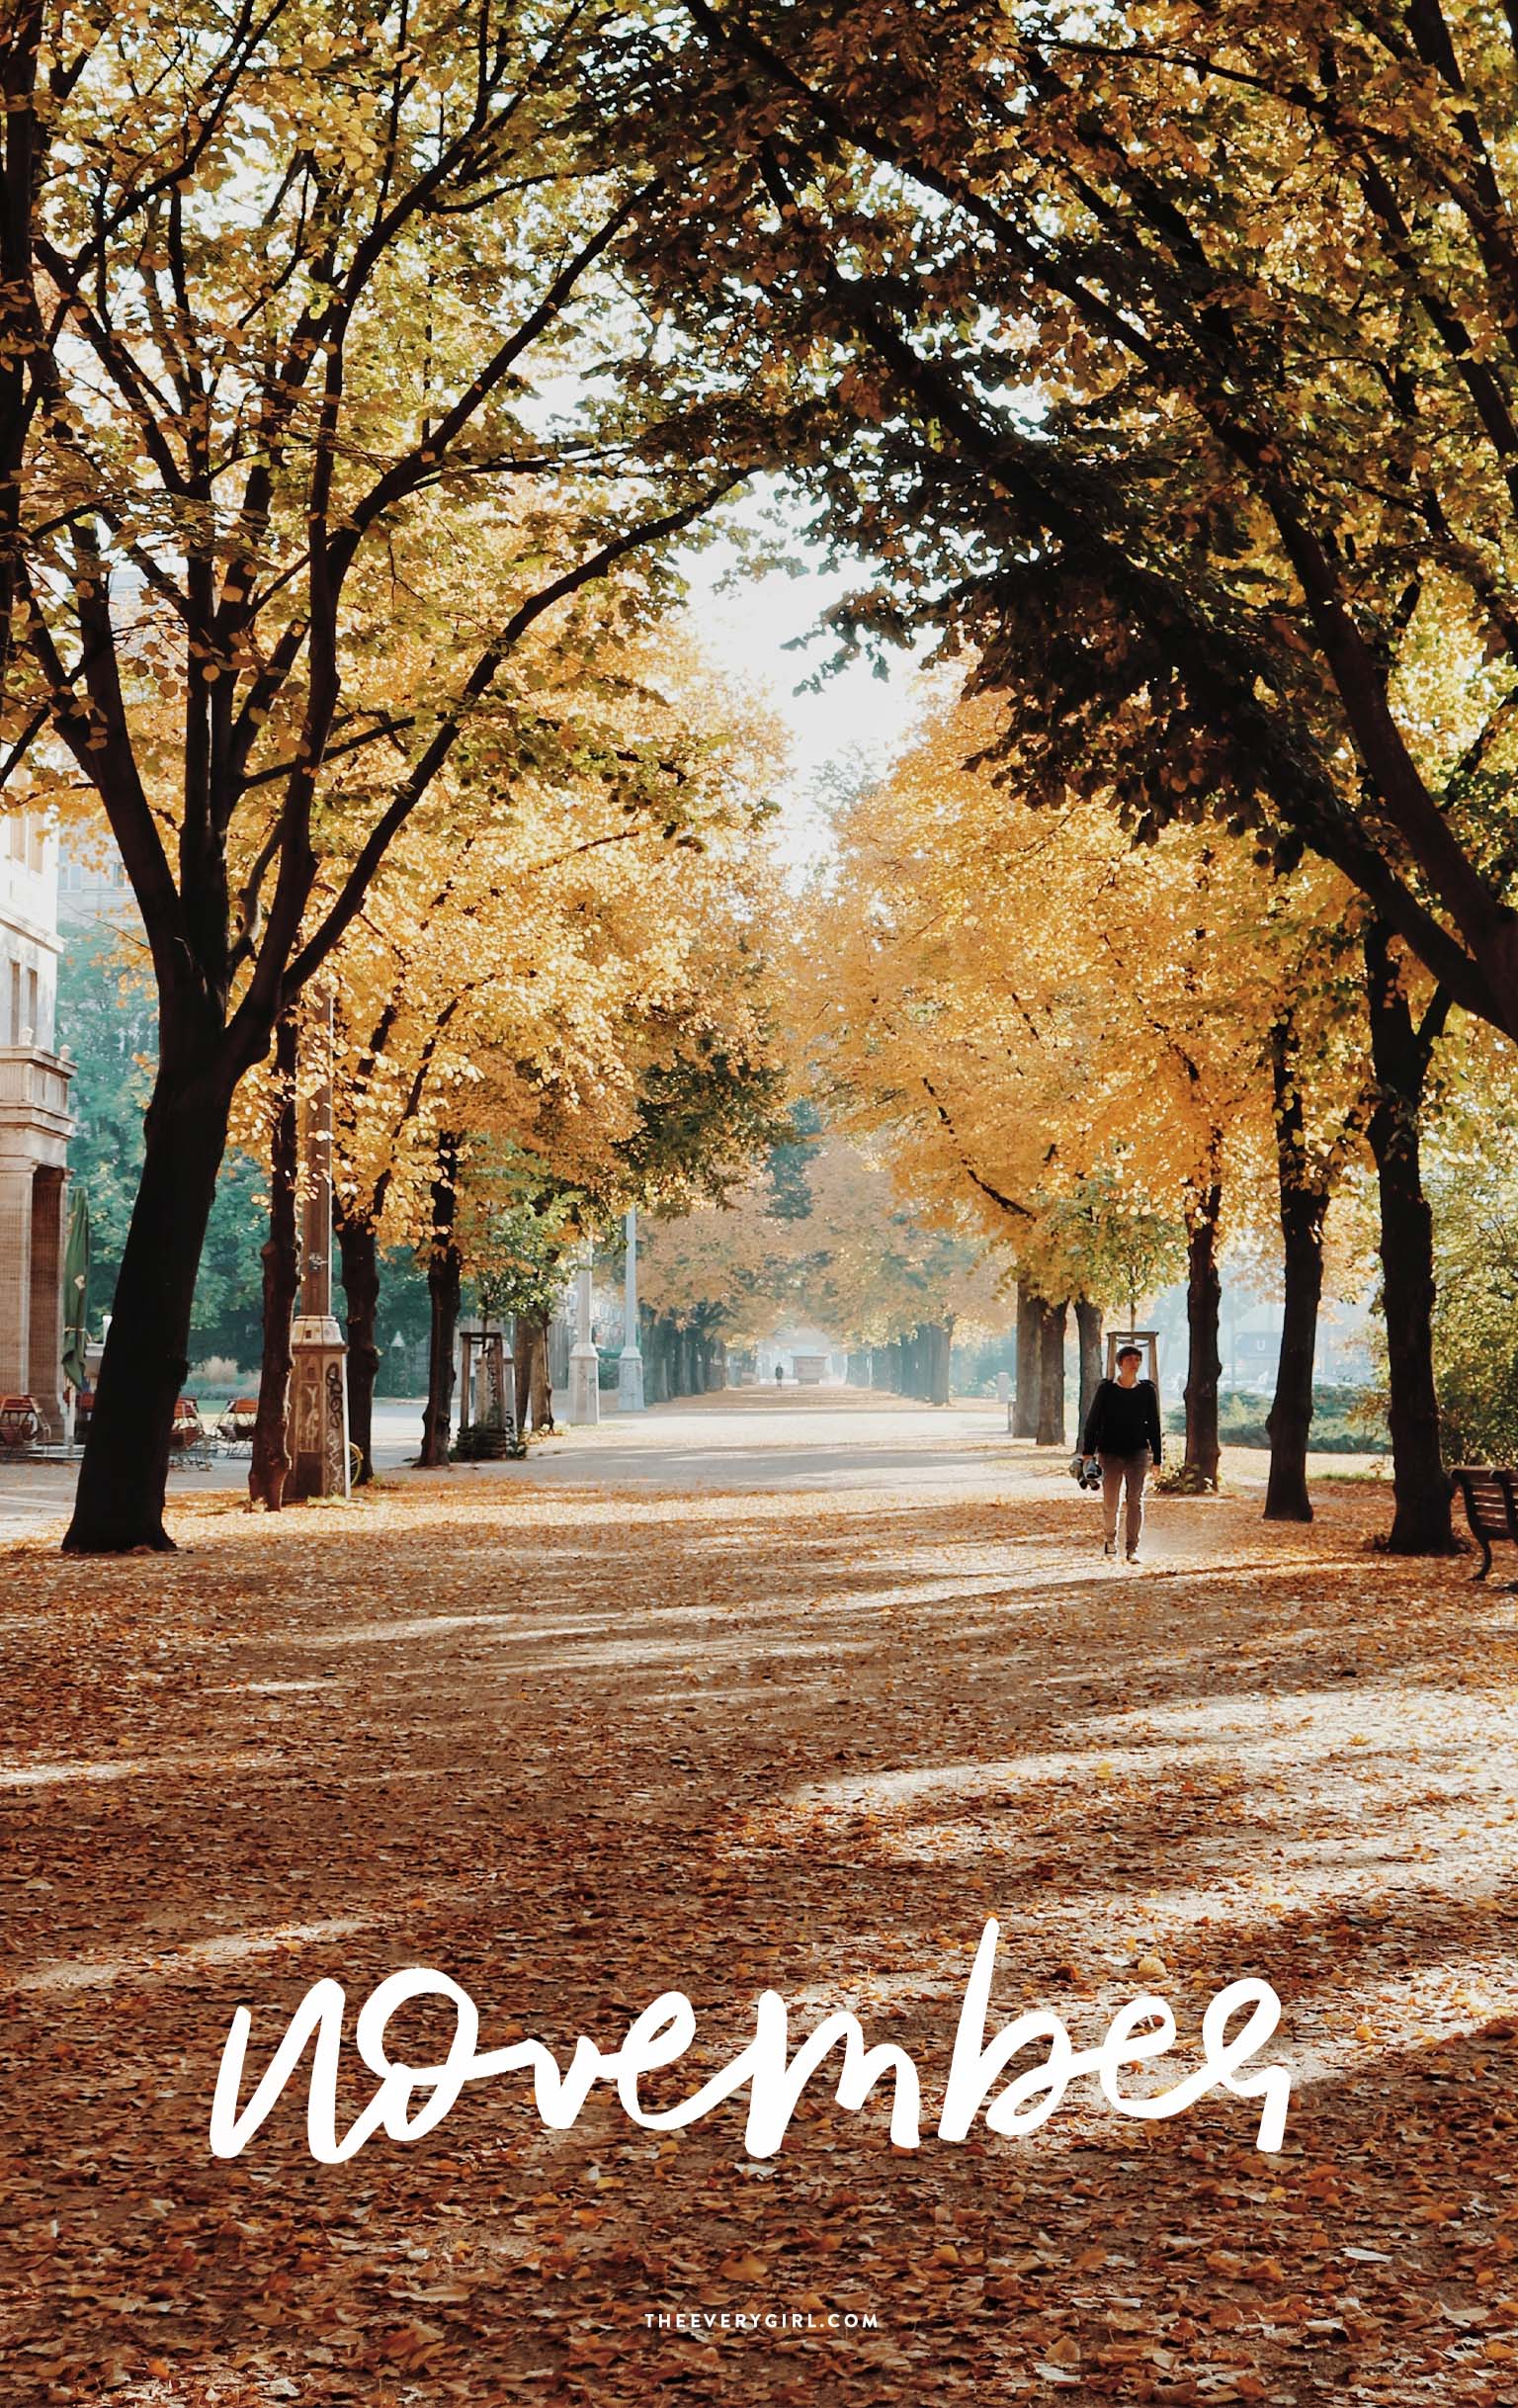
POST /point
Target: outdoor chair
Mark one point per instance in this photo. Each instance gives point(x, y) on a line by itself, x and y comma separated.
point(21, 1423)
point(235, 1426)
point(1491, 1495)
point(189, 1437)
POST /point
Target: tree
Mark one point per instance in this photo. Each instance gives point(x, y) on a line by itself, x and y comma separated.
point(520, 1238)
point(579, 989)
point(274, 243)
point(1099, 1046)
point(106, 1015)
point(270, 1460)
point(1402, 1041)
point(834, 1238)
point(1473, 1193)
point(1028, 1005)
point(1114, 315)
point(723, 1268)
point(882, 1266)
point(510, 948)
point(1107, 1244)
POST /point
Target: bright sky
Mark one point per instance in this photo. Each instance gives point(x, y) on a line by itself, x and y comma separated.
point(747, 627)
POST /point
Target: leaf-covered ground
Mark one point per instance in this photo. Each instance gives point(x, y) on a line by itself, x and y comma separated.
point(576, 1745)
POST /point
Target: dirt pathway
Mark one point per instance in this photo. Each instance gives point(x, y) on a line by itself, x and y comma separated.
point(575, 1746)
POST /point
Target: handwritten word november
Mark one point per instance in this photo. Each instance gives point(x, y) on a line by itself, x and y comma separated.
point(774, 2079)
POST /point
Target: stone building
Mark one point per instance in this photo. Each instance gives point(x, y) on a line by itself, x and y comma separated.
point(93, 885)
point(35, 1124)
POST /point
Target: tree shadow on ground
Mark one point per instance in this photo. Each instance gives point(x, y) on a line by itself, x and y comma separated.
point(764, 1776)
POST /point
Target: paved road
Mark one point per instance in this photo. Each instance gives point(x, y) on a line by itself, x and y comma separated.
point(761, 1438)
point(745, 1439)
point(34, 1494)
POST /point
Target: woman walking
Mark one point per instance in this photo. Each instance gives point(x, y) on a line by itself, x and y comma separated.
point(1123, 1431)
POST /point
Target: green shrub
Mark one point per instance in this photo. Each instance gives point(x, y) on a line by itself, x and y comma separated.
point(1345, 1421)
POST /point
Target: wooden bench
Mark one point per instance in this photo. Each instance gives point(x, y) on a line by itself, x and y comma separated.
point(1490, 1495)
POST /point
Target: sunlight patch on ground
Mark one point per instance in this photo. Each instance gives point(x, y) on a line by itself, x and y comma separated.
point(130, 1767)
point(95, 1973)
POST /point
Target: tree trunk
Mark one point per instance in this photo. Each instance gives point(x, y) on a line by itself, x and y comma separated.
point(20, 47)
point(522, 1372)
point(1400, 1056)
point(940, 1338)
point(1030, 1361)
point(1302, 1210)
point(1204, 1363)
point(445, 1272)
point(270, 1467)
point(358, 1245)
point(1050, 1423)
point(669, 1364)
point(123, 1476)
point(1088, 1325)
point(1290, 1420)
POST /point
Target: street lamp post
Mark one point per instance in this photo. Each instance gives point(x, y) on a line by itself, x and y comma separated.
point(584, 1361)
point(318, 1383)
point(629, 1363)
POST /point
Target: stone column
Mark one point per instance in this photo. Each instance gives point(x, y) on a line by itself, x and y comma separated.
point(44, 1345)
point(629, 1363)
point(318, 1383)
point(492, 1409)
point(584, 1363)
point(15, 1278)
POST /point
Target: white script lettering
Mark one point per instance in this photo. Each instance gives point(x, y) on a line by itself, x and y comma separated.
point(1142, 2030)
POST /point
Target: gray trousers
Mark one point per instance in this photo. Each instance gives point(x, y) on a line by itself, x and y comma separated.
point(1120, 1472)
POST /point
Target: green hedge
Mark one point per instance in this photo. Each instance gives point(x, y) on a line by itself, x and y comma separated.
point(1345, 1421)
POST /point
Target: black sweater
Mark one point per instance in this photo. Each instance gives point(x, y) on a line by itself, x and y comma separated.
point(1123, 1420)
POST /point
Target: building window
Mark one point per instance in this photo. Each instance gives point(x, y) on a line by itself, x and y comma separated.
point(37, 844)
point(18, 835)
point(13, 1031)
point(32, 1004)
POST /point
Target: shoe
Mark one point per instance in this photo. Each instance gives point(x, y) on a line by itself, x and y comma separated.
point(1134, 1556)
point(1109, 1547)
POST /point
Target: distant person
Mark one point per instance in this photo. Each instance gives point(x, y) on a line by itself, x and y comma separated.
point(1122, 1432)
point(779, 1375)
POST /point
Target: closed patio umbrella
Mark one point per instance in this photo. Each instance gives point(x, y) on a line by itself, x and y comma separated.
point(76, 1292)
